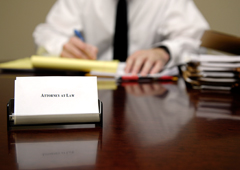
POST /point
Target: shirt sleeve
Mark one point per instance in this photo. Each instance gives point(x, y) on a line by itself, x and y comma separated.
point(182, 29)
point(60, 23)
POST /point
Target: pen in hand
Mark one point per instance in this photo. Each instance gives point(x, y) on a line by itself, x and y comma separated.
point(78, 34)
point(90, 51)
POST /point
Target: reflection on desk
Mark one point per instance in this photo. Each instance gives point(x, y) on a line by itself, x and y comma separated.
point(147, 105)
point(213, 105)
point(154, 110)
point(56, 149)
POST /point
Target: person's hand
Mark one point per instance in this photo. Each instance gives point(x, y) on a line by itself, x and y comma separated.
point(146, 61)
point(76, 48)
point(151, 89)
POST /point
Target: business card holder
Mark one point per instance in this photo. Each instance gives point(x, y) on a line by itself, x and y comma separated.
point(75, 121)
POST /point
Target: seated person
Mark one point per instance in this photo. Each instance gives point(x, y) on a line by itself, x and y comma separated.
point(159, 31)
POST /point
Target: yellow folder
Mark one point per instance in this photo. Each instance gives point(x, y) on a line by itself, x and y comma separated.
point(73, 64)
point(56, 63)
point(19, 64)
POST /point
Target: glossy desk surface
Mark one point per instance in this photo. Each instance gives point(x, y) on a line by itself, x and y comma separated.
point(146, 126)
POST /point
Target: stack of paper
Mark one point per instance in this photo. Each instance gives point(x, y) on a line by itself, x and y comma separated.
point(213, 72)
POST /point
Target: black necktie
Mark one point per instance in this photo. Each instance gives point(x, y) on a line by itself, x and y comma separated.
point(120, 48)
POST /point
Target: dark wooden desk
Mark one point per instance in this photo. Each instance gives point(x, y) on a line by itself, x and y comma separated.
point(146, 126)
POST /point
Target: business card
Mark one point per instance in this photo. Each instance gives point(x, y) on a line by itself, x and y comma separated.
point(55, 95)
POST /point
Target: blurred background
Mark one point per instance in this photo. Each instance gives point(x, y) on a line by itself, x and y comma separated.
point(19, 18)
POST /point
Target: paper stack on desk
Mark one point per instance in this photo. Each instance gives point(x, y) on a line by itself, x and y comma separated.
point(213, 72)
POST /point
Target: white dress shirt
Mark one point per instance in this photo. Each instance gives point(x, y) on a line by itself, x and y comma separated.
point(176, 24)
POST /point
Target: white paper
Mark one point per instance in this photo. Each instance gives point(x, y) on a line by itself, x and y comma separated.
point(216, 74)
point(204, 68)
point(219, 80)
point(216, 58)
point(120, 72)
point(220, 65)
point(55, 95)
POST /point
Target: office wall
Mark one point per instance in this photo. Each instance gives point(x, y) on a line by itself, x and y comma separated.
point(222, 15)
point(18, 18)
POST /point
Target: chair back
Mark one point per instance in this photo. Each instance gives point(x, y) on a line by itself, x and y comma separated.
point(221, 42)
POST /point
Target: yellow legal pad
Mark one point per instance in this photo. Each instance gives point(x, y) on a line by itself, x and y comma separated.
point(56, 63)
point(20, 64)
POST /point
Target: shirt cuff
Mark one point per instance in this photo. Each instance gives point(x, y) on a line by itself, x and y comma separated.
point(167, 51)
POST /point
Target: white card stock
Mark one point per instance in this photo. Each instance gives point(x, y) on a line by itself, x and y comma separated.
point(55, 96)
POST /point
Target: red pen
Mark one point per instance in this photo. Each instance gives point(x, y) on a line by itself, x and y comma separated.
point(168, 78)
point(129, 78)
point(137, 78)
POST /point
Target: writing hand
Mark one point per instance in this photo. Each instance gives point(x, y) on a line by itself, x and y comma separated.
point(145, 62)
point(76, 48)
